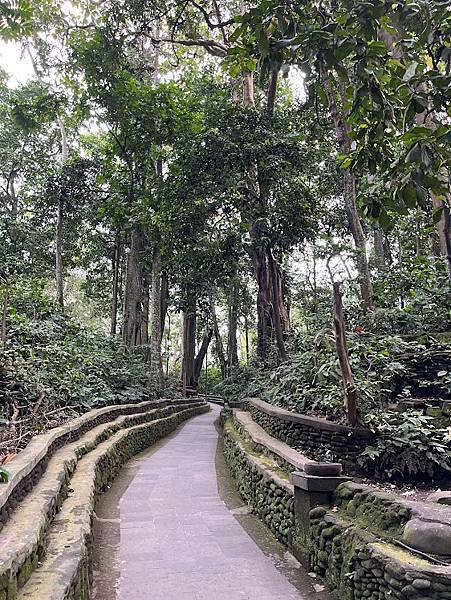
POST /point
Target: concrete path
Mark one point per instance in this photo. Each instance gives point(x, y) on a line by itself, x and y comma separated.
point(165, 533)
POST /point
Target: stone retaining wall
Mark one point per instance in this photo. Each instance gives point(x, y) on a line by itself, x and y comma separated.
point(318, 438)
point(358, 565)
point(267, 492)
point(357, 544)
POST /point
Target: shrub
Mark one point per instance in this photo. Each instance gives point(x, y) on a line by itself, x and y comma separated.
point(407, 444)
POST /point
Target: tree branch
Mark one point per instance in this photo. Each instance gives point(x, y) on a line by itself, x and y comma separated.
point(212, 47)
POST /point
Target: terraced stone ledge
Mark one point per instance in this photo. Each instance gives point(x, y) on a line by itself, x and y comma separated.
point(65, 573)
point(26, 469)
point(23, 539)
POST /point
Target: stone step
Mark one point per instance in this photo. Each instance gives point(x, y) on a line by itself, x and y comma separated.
point(65, 571)
point(22, 539)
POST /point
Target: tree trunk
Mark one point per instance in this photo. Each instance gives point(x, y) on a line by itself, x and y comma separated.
point(232, 345)
point(4, 313)
point(133, 294)
point(246, 334)
point(59, 277)
point(156, 366)
point(188, 345)
point(219, 345)
point(272, 89)
point(276, 303)
point(444, 231)
point(199, 360)
point(164, 299)
point(349, 197)
point(146, 313)
point(248, 89)
point(270, 295)
point(116, 263)
point(379, 249)
point(350, 392)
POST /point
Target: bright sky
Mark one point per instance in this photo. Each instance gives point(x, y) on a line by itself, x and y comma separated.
point(15, 62)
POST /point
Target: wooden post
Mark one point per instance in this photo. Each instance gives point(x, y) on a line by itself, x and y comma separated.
point(350, 392)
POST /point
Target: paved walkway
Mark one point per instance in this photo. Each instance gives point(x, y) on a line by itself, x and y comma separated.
point(169, 535)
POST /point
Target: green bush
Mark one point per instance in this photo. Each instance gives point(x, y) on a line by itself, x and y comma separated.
point(47, 353)
point(310, 380)
point(408, 444)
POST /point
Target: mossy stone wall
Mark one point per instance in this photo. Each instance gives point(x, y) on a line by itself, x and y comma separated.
point(318, 444)
point(272, 502)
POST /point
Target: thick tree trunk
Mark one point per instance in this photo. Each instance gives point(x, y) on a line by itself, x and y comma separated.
point(4, 312)
point(269, 297)
point(350, 392)
point(133, 294)
point(246, 335)
point(272, 90)
point(116, 263)
point(156, 366)
point(188, 345)
point(349, 197)
point(218, 339)
point(199, 360)
point(232, 344)
point(276, 303)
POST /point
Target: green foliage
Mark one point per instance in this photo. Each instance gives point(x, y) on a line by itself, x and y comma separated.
point(310, 381)
point(48, 353)
point(407, 445)
point(4, 475)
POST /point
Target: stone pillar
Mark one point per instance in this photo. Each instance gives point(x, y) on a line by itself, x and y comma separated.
point(310, 491)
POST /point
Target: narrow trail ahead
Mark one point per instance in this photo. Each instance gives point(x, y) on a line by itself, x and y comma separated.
point(167, 530)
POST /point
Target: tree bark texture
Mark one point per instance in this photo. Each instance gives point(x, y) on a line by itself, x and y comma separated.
point(146, 312)
point(116, 263)
point(218, 339)
point(199, 360)
point(188, 345)
point(164, 299)
point(59, 233)
point(156, 336)
point(379, 249)
point(349, 197)
point(232, 344)
point(133, 293)
point(350, 392)
point(270, 301)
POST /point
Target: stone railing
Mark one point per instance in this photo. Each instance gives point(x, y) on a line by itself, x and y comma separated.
point(45, 539)
point(318, 438)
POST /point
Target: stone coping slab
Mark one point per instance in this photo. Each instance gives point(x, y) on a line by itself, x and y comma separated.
point(315, 422)
point(23, 468)
point(300, 462)
point(65, 573)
